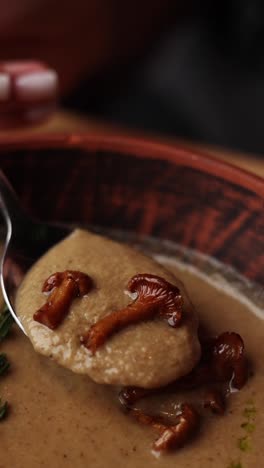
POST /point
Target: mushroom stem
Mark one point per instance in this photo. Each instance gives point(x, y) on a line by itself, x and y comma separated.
point(176, 436)
point(50, 314)
point(63, 287)
point(107, 326)
point(171, 436)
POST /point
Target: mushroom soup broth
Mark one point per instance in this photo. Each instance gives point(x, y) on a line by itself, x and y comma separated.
point(62, 419)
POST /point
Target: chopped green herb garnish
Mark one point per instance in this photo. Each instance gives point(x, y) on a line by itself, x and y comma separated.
point(249, 427)
point(4, 364)
point(250, 412)
point(3, 409)
point(6, 321)
point(235, 465)
point(244, 444)
point(250, 402)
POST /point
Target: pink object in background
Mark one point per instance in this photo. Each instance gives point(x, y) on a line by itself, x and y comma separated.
point(28, 92)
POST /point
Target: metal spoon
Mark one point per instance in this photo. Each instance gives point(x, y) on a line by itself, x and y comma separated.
point(26, 240)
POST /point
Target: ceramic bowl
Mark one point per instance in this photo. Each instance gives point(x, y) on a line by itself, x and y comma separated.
point(143, 187)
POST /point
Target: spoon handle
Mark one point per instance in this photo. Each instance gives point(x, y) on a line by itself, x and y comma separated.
point(9, 203)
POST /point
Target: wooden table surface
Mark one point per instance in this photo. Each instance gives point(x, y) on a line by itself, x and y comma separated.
point(69, 122)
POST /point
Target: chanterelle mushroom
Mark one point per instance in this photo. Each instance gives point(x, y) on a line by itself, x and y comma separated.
point(172, 436)
point(64, 287)
point(147, 354)
point(155, 296)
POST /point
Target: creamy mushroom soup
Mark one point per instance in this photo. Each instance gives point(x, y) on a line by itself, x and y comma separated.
point(62, 419)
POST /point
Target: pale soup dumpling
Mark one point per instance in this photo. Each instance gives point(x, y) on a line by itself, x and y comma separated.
point(147, 354)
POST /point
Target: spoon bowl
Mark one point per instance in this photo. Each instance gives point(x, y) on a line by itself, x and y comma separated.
point(26, 240)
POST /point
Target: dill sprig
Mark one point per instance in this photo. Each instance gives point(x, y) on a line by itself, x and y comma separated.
point(3, 409)
point(6, 322)
point(4, 363)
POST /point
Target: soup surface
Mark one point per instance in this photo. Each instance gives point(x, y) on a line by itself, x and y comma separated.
point(61, 419)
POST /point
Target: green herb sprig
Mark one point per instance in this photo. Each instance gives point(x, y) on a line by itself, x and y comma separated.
point(4, 364)
point(6, 322)
point(3, 409)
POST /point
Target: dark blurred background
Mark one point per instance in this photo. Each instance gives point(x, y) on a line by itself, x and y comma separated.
point(201, 78)
point(182, 68)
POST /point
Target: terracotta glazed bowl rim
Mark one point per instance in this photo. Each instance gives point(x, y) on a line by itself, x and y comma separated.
point(138, 146)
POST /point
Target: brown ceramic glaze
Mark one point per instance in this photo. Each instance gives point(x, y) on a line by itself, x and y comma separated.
point(149, 188)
